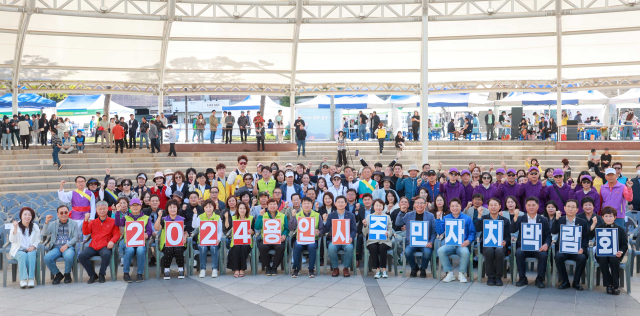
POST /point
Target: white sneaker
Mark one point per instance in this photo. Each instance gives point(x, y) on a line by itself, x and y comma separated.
point(31, 283)
point(462, 277)
point(384, 274)
point(449, 277)
point(378, 275)
point(214, 273)
point(202, 273)
point(23, 284)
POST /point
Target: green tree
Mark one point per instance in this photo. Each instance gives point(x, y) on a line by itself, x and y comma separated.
point(286, 100)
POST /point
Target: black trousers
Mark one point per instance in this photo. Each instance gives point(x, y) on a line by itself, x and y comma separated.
point(415, 130)
point(522, 265)
point(359, 247)
point(126, 144)
point(381, 144)
point(154, 145)
point(172, 149)
point(378, 255)
point(87, 253)
point(264, 254)
point(260, 140)
point(120, 142)
point(173, 252)
point(43, 138)
point(581, 263)
point(227, 133)
point(243, 132)
point(494, 261)
point(342, 157)
point(132, 138)
point(590, 164)
point(610, 267)
point(24, 139)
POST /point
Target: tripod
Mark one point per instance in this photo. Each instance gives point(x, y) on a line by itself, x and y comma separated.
point(347, 154)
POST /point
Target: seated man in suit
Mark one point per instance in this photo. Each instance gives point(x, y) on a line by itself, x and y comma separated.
point(532, 217)
point(571, 208)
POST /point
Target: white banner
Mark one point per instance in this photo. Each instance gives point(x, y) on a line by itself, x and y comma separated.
point(200, 106)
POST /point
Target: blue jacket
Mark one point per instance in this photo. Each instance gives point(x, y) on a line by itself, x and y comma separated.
point(432, 193)
point(409, 185)
point(469, 228)
point(334, 215)
point(404, 219)
point(296, 187)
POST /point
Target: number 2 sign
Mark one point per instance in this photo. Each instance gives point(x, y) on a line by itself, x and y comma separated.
point(135, 233)
point(174, 234)
point(210, 233)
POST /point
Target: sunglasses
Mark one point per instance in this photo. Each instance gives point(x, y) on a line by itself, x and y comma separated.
point(63, 213)
point(617, 168)
point(453, 174)
point(488, 178)
point(534, 173)
point(178, 177)
point(242, 163)
point(586, 182)
point(510, 175)
point(126, 185)
point(558, 176)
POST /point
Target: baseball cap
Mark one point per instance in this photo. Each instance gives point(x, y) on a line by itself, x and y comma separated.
point(586, 177)
point(465, 171)
point(431, 173)
point(512, 171)
point(452, 170)
point(500, 170)
point(534, 169)
point(178, 194)
point(558, 172)
point(610, 171)
point(136, 201)
point(288, 174)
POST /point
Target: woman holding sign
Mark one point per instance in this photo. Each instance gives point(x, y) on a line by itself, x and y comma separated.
point(378, 242)
point(210, 216)
point(307, 237)
point(237, 257)
point(175, 234)
point(270, 239)
point(131, 231)
point(610, 266)
point(493, 252)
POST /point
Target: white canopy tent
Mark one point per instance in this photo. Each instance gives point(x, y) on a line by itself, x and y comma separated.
point(631, 96)
point(88, 105)
point(252, 103)
point(350, 102)
point(568, 98)
point(444, 100)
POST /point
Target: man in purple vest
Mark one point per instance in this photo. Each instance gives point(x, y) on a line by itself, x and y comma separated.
point(453, 188)
point(507, 187)
point(533, 188)
point(82, 200)
point(559, 191)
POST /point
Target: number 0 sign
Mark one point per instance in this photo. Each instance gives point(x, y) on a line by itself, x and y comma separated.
point(209, 233)
point(135, 233)
point(174, 234)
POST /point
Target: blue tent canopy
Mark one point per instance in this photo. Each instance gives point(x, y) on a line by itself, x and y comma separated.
point(27, 101)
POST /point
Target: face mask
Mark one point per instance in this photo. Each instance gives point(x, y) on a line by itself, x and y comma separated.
point(638, 172)
point(169, 178)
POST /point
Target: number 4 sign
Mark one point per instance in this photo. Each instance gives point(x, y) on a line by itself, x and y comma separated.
point(135, 233)
point(241, 233)
point(306, 231)
point(174, 234)
point(210, 233)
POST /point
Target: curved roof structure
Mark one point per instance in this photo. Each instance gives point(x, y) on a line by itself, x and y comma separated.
point(165, 47)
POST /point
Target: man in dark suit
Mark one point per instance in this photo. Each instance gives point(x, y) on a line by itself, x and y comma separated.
point(341, 213)
point(532, 217)
point(133, 127)
point(366, 208)
point(571, 208)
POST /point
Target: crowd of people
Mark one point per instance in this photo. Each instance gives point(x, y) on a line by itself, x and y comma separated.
point(596, 198)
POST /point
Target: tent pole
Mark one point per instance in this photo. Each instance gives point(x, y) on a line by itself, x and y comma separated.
point(559, 66)
point(333, 117)
point(424, 84)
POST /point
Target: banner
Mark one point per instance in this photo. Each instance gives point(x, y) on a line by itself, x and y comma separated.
point(306, 231)
point(210, 233)
point(241, 234)
point(570, 239)
point(340, 231)
point(418, 233)
point(174, 234)
point(272, 232)
point(531, 237)
point(492, 233)
point(453, 232)
point(378, 227)
point(135, 233)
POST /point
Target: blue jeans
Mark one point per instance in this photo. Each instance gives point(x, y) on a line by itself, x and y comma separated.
point(301, 143)
point(26, 264)
point(361, 131)
point(463, 252)
point(140, 257)
point(144, 136)
point(53, 254)
point(213, 136)
point(628, 131)
point(297, 255)
point(200, 135)
point(80, 147)
point(54, 154)
point(214, 256)
point(426, 256)
point(6, 141)
point(333, 255)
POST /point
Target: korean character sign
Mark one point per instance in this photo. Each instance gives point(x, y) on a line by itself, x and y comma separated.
point(418, 233)
point(606, 242)
point(174, 234)
point(570, 239)
point(492, 232)
point(378, 227)
point(306, 232)
point(272, 232)
point(241, 234)
point(531, 237)
point(340, 233)
point(453, 232)
point(210, 233)
point(135, 233)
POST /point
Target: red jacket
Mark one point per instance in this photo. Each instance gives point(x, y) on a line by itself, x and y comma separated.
point(162, 195)
point(118, 132)
point(101, 232)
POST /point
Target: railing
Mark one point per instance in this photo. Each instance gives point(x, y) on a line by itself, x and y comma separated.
point(584, 132)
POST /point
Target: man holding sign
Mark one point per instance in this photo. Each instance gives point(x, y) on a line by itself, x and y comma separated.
point(495, 241)
point(209, 229)
point(464, 228)
point(137, 228)
point(573, 243)
point(342, 235)
point(308, 225)
point(420, 237)
point(270, 238)
point(543, 237)
point(610, 263)
point(104, 235)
